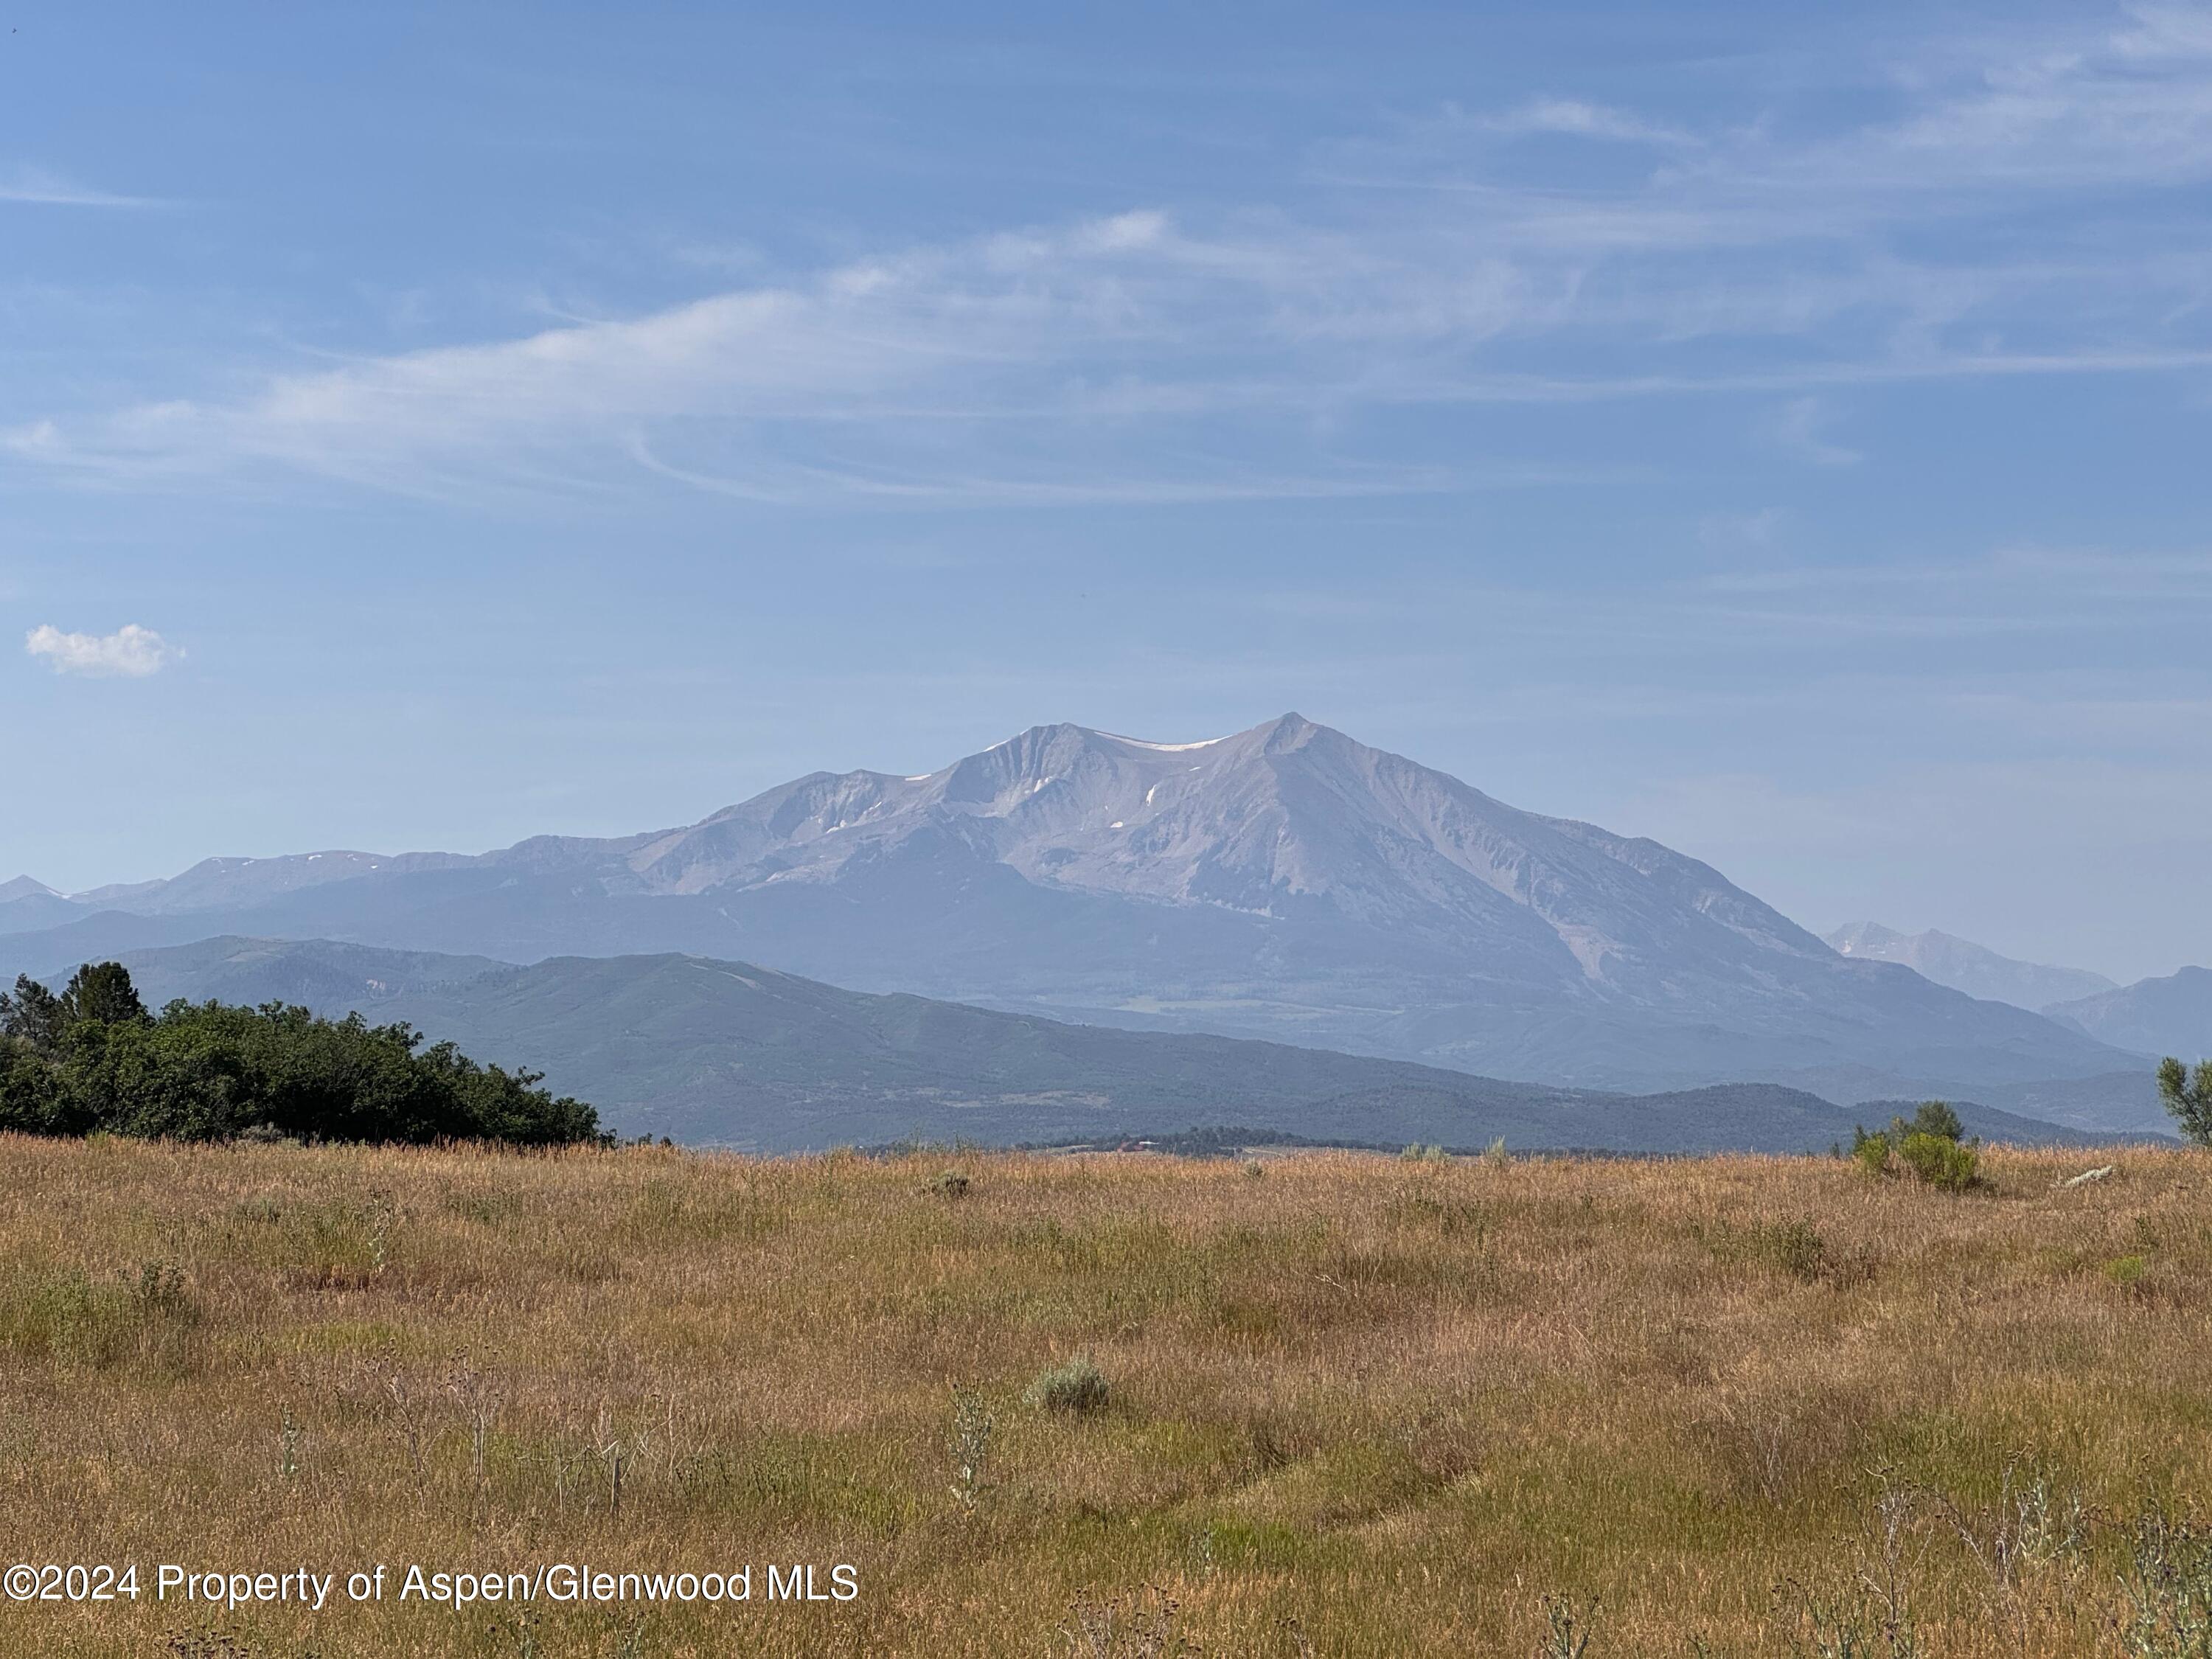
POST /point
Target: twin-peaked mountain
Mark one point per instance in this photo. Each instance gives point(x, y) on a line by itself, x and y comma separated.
point(1287, 882)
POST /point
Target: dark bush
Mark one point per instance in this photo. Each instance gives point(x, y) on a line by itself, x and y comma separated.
point(93, 1058)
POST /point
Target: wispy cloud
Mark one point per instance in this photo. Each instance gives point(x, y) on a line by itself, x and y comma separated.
point(1573, 118)
point(1797, 426)
point(1166, 353)
point(130, 652)
point(37, 186)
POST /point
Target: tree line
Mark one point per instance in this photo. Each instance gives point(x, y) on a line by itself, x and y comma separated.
point(92, 1057)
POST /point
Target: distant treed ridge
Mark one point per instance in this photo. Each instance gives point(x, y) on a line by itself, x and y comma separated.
point(91, 1057)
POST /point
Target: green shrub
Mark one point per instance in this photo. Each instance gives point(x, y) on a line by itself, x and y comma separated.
point(92, 1058)
point(1794, 1246)
point(1417, 1153)
point(1870, 1151)
point(950, 1184)
point(1940, 1161)
point(1078, 1387)
point(2127, 1271)
point(1928, 1144)
point(71, 1319)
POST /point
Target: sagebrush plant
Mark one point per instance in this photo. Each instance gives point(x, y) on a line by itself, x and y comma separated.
point(1075, 1386)
point(1394, 1404)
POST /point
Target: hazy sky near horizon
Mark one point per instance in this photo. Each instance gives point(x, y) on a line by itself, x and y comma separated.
point(1782, 432)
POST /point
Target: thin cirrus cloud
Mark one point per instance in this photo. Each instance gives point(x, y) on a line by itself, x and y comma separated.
point(1799, 429)
point(1171, 354)
point(1573, 118)
point(130, 652)
point(39, 187)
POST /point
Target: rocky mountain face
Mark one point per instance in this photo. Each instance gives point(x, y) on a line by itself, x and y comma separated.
point(2156, 1016)
point(1965, 966)
point(1285, 882)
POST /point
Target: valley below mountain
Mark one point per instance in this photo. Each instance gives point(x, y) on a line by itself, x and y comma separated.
point(728, 1054)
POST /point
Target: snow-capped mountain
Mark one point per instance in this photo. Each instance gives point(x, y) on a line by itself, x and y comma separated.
point(1285, 881)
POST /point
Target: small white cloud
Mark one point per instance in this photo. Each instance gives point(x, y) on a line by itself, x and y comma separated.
point(130, 652)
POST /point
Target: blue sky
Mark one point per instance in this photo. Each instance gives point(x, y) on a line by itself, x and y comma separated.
point(1784, 435)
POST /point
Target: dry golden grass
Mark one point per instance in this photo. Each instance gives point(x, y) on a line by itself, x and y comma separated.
point(1356, 1405)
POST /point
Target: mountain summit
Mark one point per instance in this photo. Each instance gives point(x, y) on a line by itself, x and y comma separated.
point(1290, 823)
point(1285, 881)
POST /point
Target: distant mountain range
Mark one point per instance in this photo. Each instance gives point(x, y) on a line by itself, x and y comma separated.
point(1285, 882)
point(2152, 1018)
point(2168, 1016)
point(1965, 966)
point(726, 1053)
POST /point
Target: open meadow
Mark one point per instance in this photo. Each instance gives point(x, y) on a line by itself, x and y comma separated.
point(1335, 1404)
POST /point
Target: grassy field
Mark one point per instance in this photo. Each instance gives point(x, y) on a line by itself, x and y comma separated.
point(1352, 1405)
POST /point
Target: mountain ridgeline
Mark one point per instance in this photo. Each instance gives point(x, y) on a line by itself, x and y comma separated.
point(734, 1054)
point(1965, 966)
point(1285, 882)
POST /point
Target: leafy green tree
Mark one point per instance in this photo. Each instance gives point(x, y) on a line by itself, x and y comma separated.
point(1935, 1117)
point(32, 1099)
point(2189, 1098)
point(101, 990)
point(33, 1014)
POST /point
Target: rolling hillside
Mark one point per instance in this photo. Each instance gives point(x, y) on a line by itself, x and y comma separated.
point(723, 1053)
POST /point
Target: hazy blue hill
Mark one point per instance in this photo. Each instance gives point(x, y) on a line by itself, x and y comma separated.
point(726, 1053)
point(27, 905)
point(2172, 1015)
point(327, 976)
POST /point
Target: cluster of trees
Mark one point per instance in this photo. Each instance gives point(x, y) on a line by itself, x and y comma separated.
point(93, 1057)
point(1931, 1145)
